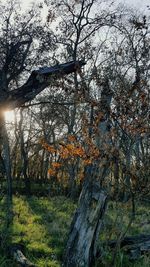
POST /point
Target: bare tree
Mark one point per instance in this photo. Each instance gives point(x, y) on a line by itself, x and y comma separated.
point(17, 39)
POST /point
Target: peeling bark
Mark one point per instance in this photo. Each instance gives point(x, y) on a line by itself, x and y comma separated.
point(84, 233)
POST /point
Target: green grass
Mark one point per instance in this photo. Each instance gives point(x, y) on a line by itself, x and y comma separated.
point(117, 219)
point(41, 225)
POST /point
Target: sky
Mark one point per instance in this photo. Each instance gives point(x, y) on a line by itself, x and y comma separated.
point(138, 4)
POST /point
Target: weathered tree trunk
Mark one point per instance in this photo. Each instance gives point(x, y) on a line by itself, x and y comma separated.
point(82, 243)
point(86, 225)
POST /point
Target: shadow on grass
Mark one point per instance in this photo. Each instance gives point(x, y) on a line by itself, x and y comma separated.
point(6, 232)
point(40, 226)
point(51, 218)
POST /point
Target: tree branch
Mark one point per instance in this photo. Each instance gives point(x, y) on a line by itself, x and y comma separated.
point(37, 82)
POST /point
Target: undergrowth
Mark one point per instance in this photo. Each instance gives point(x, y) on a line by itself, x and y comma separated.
point(41, 225)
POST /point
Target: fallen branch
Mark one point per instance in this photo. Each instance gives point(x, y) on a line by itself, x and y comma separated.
point(134, 246)
point(135, 251)
point(130, 240)
point(19, 257)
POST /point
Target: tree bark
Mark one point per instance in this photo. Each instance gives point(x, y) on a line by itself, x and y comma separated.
point(86, 224)
point(82, 244)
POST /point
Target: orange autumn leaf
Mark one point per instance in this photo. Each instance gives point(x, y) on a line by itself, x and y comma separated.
point(56, 165)
point(87, 161)
point(51, 149)
point(79, 151)
point(51, 172)
point(70, 146)
point(64, 153)
point(71, 138)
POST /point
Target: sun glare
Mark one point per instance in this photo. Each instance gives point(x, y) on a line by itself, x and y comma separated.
point(9, 116)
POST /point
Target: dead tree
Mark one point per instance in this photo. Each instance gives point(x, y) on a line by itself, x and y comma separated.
point(83, 238)
point(36, 83)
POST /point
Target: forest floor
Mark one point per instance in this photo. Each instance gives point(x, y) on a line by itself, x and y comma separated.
point(41, 225)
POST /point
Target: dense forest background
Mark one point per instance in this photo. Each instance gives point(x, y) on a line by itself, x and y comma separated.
point(86, 136)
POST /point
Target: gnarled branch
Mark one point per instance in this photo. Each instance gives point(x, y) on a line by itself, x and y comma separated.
point(37, 82)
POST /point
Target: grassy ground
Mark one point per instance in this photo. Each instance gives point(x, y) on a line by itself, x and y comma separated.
point(41, 226)
point(118, 221)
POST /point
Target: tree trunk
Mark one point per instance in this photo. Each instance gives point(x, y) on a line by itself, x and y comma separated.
point(85, 229)
point(24, 156)
point(86, 224)
point(6, 155)
point(127, 177)
point(4, 142)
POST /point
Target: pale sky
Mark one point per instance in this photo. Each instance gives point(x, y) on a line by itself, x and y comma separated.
point(139, 4)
